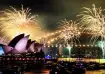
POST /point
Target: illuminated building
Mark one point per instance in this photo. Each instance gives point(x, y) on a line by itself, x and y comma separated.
point(21, 44)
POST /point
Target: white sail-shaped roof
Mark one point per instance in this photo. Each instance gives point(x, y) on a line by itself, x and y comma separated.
point(21, 45)
point(31, 48)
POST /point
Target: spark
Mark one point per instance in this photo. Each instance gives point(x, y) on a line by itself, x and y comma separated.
point(70, 31)
point(17, 21)
point(18, 18)
point(93, 19)
point(3, 40)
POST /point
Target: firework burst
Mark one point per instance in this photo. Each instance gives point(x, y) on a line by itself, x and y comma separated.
point(70, 32)
point(19, 21)
point(92, 19)
point(17, 18)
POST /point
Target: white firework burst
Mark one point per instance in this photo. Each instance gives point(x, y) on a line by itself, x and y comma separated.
point(92, 19)
point(69, 32)
point(11, 18)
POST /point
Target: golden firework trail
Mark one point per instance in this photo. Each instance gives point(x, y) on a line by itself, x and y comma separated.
point(70, 32)
point(3, 40)
point(14, 22)
point(13, 17)
point(93, 19)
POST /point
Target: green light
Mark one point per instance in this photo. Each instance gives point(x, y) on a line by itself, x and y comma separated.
point(101, 44)
point(69, 48)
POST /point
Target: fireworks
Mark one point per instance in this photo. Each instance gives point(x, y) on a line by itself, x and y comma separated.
point(3, 40)
point(13, 17)
point(19, 21)
point(70, 31)
point(92, 19)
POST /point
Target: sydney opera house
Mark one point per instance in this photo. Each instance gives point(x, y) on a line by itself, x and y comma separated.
point(21, 52)
point(19, 45)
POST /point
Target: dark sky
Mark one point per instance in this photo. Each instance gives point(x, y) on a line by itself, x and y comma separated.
point(52, 11)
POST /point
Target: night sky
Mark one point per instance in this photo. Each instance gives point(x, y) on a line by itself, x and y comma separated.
point(52, 11)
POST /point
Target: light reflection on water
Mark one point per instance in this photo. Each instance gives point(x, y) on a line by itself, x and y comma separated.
point(96, 72)
point(87, 72)
point(41, 72)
